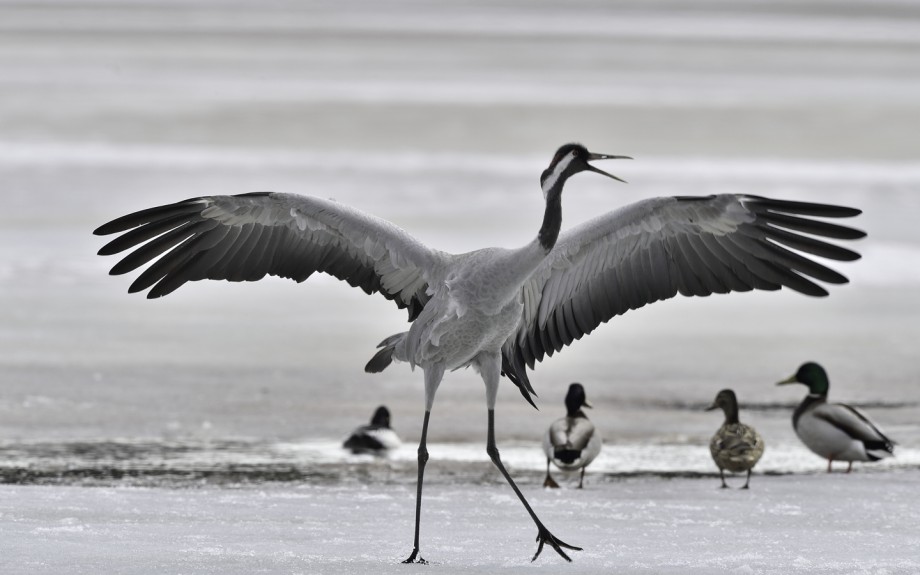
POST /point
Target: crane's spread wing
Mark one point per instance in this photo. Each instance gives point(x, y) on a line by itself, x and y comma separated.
point(657, 248)
point(245, 237)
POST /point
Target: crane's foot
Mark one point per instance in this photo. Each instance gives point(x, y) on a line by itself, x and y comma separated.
point(550, 482)
point(545, 537)
point(416, 558)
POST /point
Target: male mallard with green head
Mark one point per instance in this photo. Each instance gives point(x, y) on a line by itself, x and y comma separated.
point(835, 431)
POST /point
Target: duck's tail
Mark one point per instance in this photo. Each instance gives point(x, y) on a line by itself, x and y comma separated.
point(566, 455)
point(876, 450)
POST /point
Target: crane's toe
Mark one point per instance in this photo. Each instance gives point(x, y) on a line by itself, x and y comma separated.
point(545, 537)
point(415, 558)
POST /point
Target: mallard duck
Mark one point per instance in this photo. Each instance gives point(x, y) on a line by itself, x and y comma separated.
point(735, 446)
point(376, 438)
point(571, 442)
point(835, 431)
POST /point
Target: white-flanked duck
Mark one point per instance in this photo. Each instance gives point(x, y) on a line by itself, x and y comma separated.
point(835, 431)
point(571, 442)
point(735, 446)
point(376, 438)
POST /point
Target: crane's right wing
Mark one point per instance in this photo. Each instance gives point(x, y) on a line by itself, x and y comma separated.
point(245, 237)
point(654, 249)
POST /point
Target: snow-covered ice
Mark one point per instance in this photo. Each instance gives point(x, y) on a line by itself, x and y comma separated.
point(864, 522)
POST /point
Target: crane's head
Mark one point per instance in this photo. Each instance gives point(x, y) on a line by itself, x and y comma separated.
point(571, 159)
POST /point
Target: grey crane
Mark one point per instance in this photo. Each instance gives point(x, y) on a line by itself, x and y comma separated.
point(498, 310)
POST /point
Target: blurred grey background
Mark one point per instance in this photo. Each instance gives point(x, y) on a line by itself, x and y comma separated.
point(441, 117)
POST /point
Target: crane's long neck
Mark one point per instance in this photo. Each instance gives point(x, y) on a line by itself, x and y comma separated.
point(552, 216)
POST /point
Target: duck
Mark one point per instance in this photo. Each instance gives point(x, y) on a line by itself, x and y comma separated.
point(835, 431)
point(736, 446)
point(571, 442)
point(376, 438)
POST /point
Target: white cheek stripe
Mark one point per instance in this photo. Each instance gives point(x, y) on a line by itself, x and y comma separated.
point(553, 177)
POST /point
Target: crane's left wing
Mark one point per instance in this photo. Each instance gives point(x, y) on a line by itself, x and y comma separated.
point(654, 249)
point(245, 237)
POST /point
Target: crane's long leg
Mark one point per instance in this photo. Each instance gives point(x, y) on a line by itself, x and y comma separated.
point(433, 377)
point(422, 460)
point(543, 534)
point(490, 369)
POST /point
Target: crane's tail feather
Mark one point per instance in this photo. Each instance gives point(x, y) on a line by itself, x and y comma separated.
point(383, 358)
point(516, 371)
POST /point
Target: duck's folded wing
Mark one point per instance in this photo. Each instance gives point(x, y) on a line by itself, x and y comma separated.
point(245, 237)
point(580, 433)
point(742, 442)
point(654, 249)
point(854, 423)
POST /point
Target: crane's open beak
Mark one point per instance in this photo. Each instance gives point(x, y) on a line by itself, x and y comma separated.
point(788, 380)
point(592, 156)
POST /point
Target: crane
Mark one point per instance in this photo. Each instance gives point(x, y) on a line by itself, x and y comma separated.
point(495, 309)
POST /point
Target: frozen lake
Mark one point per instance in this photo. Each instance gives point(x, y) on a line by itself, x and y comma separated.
point(199, 433)
point(799, 524)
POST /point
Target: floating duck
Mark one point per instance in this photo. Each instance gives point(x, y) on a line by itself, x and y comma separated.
point(735, 446)
point(835, 431)
point(376, 438)
point(571, 442)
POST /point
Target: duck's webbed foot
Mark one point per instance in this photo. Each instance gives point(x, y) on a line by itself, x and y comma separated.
point(545, 537)
point(416, 558)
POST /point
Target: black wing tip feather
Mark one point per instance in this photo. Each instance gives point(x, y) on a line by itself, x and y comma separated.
point(786, 222)
point(141, 217)
point(805, 208)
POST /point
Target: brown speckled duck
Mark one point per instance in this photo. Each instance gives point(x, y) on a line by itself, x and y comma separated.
point(735, 446)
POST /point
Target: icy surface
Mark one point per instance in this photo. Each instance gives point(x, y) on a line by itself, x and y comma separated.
point(857, 523)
